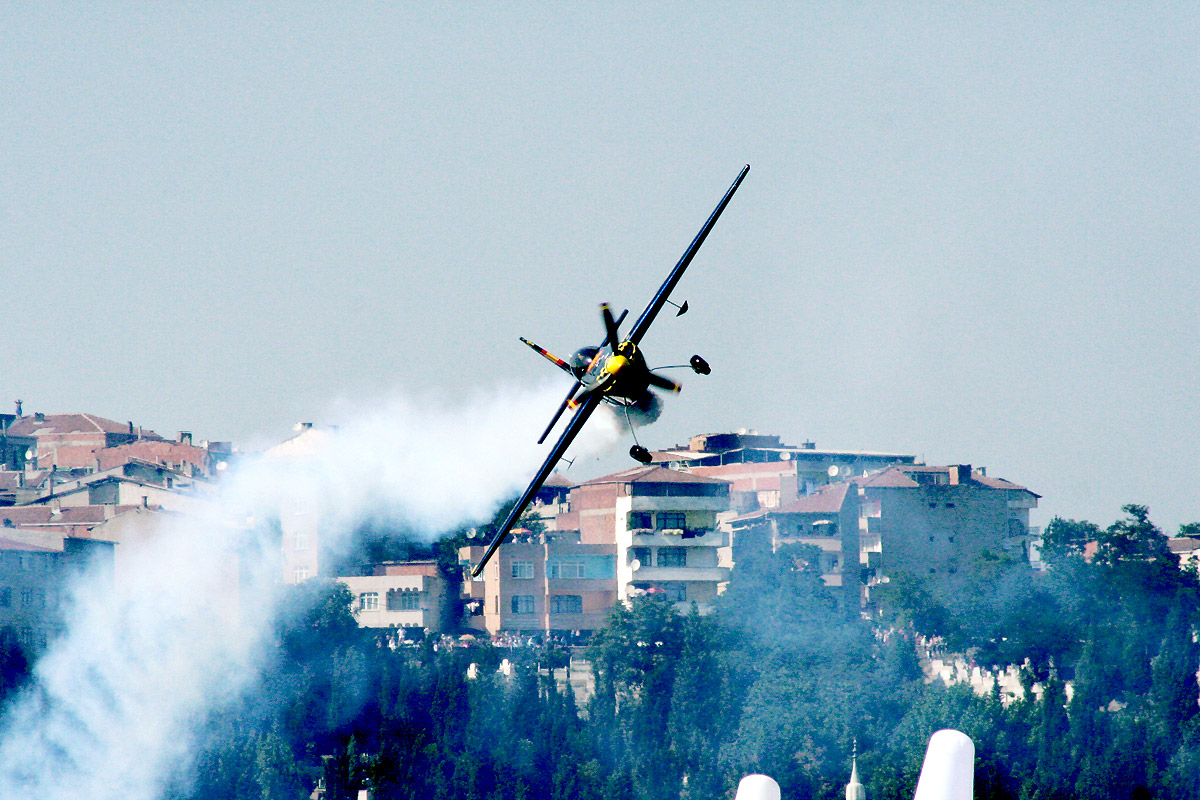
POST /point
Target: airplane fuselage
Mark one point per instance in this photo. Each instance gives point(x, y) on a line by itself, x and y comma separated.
point(621, 376)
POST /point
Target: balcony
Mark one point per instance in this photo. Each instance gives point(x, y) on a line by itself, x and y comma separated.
point(674, 537)
point(681, 574)
point(652, 503)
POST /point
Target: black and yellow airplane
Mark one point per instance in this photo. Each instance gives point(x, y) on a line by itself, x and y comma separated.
point(614, 372)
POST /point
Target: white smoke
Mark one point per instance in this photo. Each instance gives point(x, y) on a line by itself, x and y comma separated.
point(117, 697)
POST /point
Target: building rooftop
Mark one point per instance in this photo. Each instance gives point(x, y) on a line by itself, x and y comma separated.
point(651, 474)
point(44, 424)
point(18, 516)
point(827, 500)
point(13, 544)
point(908, 476)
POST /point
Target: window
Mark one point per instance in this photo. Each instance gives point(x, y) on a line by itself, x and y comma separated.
point(300, 574)
point(522, 604)
point(5, 597)
point(369, 601)
point(566, 604)
point(640, 554)
point(522, 570)
point(671, 520)
point(403, 601)
point(672, 557)
point(639, 519)
point(300, 541)
point(565, 569)
point(677, 592)
point(27, 597)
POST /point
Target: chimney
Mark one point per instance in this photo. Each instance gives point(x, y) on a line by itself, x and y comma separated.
point(185, 437)
point(960, 474)
point(18, 408)
point(131, 427)
point(38, 416)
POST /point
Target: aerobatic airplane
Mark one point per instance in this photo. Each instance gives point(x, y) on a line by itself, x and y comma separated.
point(615, 372)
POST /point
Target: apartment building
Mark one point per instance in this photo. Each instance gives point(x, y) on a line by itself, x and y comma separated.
point(827, 519)
point(410, 595)
point(547, 583)
point(663, 524)
point(940, 523)
point(36, 567)
point(71, 440)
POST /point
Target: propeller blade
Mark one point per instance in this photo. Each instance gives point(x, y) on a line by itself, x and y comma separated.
point(663, 383)
point(620, 319)
point(610, 325)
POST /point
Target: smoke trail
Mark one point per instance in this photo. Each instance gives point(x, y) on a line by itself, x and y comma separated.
point(117, 697)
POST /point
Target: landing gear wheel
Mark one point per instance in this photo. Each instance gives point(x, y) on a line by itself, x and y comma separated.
point(700, 366)
point(639, 453)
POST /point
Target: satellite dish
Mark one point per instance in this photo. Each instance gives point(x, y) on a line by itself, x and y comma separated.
point(785, 456)
point(833, 470)
point(635, 565)
point(28, 455)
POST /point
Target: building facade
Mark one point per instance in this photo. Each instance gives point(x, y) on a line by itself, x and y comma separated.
point(409, 595)
point(942, 524)
point(542, 584)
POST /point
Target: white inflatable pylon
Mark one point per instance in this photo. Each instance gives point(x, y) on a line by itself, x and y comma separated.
point(757, 787)
point(949, 769)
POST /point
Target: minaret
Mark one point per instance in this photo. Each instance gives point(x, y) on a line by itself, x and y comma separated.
point(854, 789)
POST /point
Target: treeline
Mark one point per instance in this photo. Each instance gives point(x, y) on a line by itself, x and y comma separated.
point(779, 681)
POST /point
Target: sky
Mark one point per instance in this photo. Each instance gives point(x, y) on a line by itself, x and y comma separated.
point(970, 232)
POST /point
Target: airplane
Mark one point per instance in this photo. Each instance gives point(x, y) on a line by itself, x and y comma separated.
point(614, 372)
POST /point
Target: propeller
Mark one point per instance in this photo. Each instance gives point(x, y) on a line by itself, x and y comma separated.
point(660, 382)
point(610, 325)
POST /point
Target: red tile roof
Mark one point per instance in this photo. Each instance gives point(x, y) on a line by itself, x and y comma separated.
point(556, 479)
point(70, 423)
point(828, 500)
point(651, 474)
point(897, 477)
point(72, 515)
point(1183, 544)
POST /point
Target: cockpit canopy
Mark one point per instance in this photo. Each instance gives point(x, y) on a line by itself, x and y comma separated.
point(582, 360)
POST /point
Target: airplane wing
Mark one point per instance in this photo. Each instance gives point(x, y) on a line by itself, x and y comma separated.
point(573, 427)
point(644, 321)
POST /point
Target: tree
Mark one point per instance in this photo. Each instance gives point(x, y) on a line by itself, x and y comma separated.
point(1066, 538)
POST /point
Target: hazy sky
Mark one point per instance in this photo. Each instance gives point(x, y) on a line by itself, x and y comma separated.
point(969, 233)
